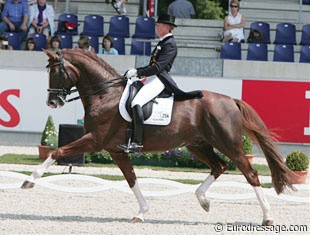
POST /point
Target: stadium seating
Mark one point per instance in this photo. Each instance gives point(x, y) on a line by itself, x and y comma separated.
point(40, 40)
point(144, 28)
point(67, 23)
point(119, 44)
point(231, 51)
point(263, 28)
point(283, 53)
point(257, 51)
point(140, 47)
point(94, 42)
point(14, 40)
point(93, 25)
point(304, 54)
point(66, 40)
point(285, 33)
point(305, 35)
point(119, 26)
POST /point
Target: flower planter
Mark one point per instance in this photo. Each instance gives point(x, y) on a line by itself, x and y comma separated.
point(250, 157)
point(43, 151)
point(299, 177)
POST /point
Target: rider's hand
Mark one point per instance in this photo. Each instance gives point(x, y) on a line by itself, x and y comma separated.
point(130, 73)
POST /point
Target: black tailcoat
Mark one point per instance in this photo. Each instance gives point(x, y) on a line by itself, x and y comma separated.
point(161, 61)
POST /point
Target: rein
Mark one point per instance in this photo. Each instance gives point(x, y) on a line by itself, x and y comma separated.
point(64, 91)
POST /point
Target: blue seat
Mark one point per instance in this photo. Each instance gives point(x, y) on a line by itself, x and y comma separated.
point(14, 40)
point(264, 28)
point(140, 47)
point(305, 35)
point(119, 44)
point(40, 40)
point(283, 53)
point(94, 42)
point(119, 26)
point(285, 33)
point(66, 40)
point(67, 23)
point(231, 51)
point(93, 25)
point(257, 51)
point(304, 54)
point(144, 28)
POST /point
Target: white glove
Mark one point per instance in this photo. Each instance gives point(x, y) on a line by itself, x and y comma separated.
point(131, 73)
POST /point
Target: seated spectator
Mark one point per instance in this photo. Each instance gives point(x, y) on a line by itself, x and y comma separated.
point(15, 17)
point(119, 6)
point(84, 43)
point(255, 36)
point(108, 46)
point(30, 44)
point(4, 43)
point(41, 19)
point(234, 24)
point(2, 2)
point(181, 9)
point(54, 43)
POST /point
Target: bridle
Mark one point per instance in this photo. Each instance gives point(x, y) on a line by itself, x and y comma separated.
point(63, 91)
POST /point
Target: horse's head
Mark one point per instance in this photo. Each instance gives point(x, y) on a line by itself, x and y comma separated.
point(60, 80)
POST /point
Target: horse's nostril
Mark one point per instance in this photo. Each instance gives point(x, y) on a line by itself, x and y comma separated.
point(52, 104)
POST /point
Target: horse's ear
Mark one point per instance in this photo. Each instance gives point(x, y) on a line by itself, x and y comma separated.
point(50, 54)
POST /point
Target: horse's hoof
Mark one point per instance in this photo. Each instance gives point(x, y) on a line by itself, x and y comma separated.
point(137, 220)
point(204, 202)
point(268, 222)
point(27, 184)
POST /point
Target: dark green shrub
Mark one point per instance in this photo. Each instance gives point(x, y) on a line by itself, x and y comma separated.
point(247, 144)
point(297, 161)
point(49, 135)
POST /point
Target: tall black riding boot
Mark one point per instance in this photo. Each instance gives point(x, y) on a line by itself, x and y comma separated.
point(136, 144)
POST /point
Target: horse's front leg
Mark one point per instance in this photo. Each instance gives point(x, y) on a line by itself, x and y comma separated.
point(124, 163)
point(82, 145)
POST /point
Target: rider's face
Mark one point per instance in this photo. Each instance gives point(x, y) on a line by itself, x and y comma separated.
point(162, 29)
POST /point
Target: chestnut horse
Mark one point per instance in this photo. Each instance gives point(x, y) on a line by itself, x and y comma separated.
point(213, 121)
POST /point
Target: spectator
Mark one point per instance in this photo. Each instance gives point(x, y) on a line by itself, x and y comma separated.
point(234, 23)
point(119, 6)
point(84, 43)
point(55, 43)
point(108, 46)
point(4, 43)
point(255, 36)
point(181, 9)
point(15, 17)
point(30, 44)
point(2, 2)
point(41, 19)
point(31, 2)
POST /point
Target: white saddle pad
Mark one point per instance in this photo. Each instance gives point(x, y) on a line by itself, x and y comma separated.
point(161, 113)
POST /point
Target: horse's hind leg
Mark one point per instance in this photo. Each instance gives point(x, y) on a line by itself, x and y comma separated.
point(243, 164)
point(206, 154)
point(124, 163)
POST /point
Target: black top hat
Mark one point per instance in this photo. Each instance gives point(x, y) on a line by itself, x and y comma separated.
point(166, 19)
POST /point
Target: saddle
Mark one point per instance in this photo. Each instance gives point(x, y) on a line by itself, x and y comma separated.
point(148, 107)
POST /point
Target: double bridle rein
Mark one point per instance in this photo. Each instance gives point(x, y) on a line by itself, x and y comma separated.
point(62, 92)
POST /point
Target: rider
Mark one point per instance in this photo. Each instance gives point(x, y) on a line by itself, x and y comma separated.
point(157, 78)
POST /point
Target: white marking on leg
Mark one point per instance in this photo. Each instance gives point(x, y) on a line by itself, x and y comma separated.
point(201, 192)
point(39, 171)
point(143, 206)
point(263, 202)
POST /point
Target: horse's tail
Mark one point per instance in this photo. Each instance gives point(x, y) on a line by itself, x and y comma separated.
point(255, 128)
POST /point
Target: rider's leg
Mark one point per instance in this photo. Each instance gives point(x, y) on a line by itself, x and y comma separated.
point(151, 88)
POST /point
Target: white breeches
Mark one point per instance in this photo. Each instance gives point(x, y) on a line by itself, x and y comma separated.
point(152, 87)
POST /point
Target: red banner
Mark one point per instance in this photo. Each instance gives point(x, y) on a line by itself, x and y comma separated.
point(284, 107)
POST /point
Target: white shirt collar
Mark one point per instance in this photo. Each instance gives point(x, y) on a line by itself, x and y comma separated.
point(167, 35)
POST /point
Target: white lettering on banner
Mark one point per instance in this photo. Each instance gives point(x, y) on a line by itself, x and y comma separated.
point(23, 108)
point(307, 129)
